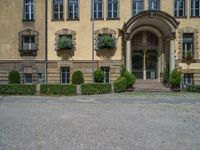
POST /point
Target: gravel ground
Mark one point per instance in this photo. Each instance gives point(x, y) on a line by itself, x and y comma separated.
point(129, 121)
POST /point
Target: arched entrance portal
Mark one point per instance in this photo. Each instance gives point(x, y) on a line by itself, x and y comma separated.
point(145, 56)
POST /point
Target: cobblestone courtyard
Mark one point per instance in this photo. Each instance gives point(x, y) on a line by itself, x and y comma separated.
point(129, 121)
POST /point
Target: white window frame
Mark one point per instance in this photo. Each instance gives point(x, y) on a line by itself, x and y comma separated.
point(73, 3)
point(177, 9)
point(188, 47)
point(137, 11)
point(193, 8)
point(188, 79)
point(112, 11)
point(31, 46)
point(103, 68)
point(154, 3)
point(67, 75)
point(97, 10)
point(30, 5)
point(59, 10)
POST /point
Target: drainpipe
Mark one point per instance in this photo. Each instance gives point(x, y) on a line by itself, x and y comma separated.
point(93, 40)
point(46, 42)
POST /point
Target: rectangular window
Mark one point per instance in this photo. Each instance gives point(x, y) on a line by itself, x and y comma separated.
point(113, 9)
point(187, 43)
point(57, 9)
point(179, 8)
point(154, 5)
point(28, 78)
point(138, 6)
point(73, 9)
point(98, 9)
point(188, 79)
point(28, 42)
point(106, 71)
point(65, 75)
point(28, 10)
point(195, 7)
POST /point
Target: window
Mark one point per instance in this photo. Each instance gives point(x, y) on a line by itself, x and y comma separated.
point(188, 79)
point(28, 42)
point(73, 9)
point(187, 43)
point(28, 78)
point(154, 5)
point(195, 7)
point(113, 9)
point(29, 10)
point(138, 6)
point(106, 71)
point(98, 9)
point(65, 75)
point(179, 8)
point(58, 9)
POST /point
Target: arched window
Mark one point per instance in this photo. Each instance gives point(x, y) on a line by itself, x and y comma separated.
point(179, 8)
point(57, 9)
point(138, 6)
point(154, 5)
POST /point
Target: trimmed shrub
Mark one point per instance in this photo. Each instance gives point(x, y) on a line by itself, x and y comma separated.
point(14, 77)
point(193, 88)
point(176, 78)
point(95, 88)
point(130, 78)
point(77, 78)
point(120, 85)
point(17, 89)
point(99, 76)
point(58, 89)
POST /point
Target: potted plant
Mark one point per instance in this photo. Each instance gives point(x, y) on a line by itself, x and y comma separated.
point(65, 43)
point(175, 80)
point(106, 42)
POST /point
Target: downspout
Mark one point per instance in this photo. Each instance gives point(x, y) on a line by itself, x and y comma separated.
point(46, 42)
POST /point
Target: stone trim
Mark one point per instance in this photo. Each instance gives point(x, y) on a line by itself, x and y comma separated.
point(65, 31)
point(195, 44)
point(20, 44)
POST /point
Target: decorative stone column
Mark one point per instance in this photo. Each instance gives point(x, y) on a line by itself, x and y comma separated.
point(128, 54)
point(144, 66)
point(172, 54)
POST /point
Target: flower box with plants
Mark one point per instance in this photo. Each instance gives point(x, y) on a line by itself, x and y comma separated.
point(188, 55)
point(65, 43)
point(106, 42)
point(175, 80)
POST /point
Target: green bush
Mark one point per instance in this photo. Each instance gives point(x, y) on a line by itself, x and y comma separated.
point(106, 42)
point(130, 78)
point(77, 78)
point(120, 85)
point(58, 89)
point(176, 78)
point(166, 75)
point(193, 88)
point(99, 76)
point(123, 69)
point(95, 88)
point(14, 77)
point(17, 89)
point(65, 43)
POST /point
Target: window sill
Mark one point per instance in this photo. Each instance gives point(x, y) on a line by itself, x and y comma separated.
point(113, 18)
point(194, 17)
point(98, 19)
point(24, 20)
point(180, 17)
point(70, 19)
point(28, 52)
point(57, 20)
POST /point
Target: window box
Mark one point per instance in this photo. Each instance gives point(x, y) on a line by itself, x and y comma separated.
point(188, 55)
point(106, 42)
point(65, 43)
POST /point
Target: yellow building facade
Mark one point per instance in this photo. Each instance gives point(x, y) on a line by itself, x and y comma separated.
point(146, 36)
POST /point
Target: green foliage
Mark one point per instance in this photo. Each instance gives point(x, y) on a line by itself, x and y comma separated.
point(17, 89)
point(65, 43)
point(123, 69)
point(14, 77)
point(58, 89)
point(166, 75)
point(188, 55)
point(120, 85)
point(193, 88)
point(106, 42)
point(176, 78)
point(99, 76)
point(130, 78)
point(95, 88)
point(77, 78)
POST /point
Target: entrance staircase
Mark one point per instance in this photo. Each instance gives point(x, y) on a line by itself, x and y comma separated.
point(150, 86)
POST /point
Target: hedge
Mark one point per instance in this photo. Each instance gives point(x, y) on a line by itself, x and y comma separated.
point(120, 85)
point(17, 89)
point(95, 88)
point(193, 88)
point(57, 89)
